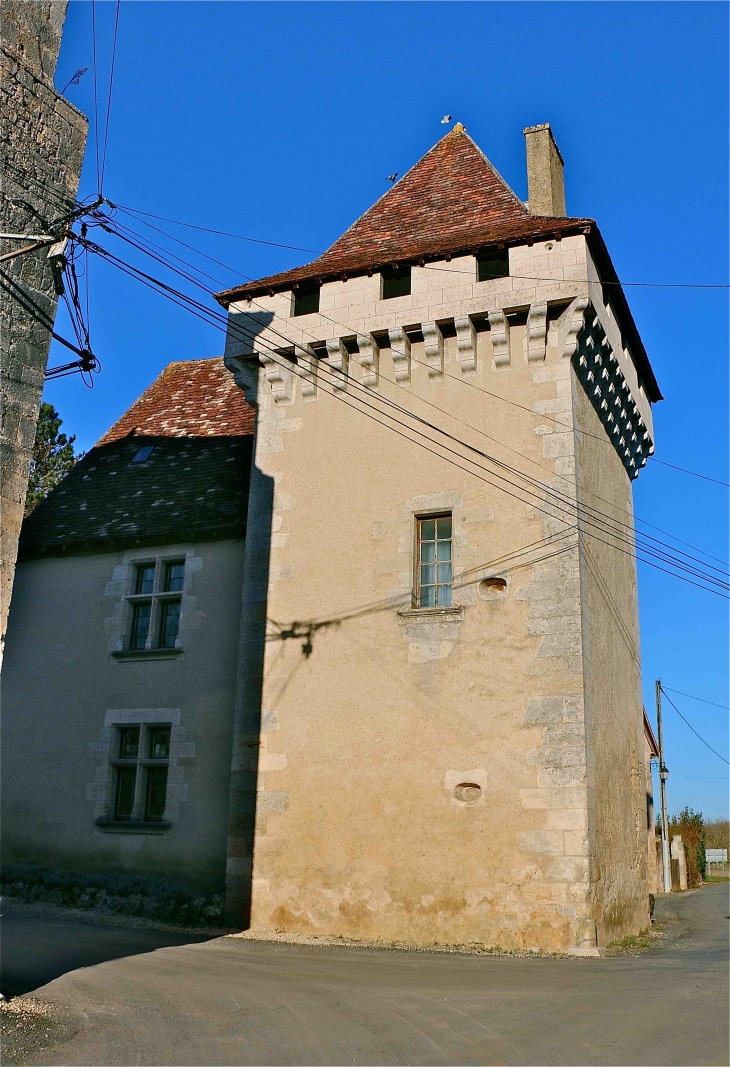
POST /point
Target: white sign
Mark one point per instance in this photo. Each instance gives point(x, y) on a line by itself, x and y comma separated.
point(716, 855)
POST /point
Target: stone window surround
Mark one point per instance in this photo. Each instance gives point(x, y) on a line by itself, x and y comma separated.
point(101, 790)
point(122, 588)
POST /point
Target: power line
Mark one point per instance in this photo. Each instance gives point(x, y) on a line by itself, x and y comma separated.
point(210, 316)
point(96, 95)
point(438, 429)
point(692, 728)
point(347, 327)
point(698, 777)
point(520, 277)
point(109, 98)
point(410, 414)
point(702, 700)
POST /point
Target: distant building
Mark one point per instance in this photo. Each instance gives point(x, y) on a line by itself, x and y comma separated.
point(43, 149)
point(403, 698)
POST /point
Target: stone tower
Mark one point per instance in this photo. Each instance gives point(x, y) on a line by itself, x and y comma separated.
point(439, 717)
point(43, 150)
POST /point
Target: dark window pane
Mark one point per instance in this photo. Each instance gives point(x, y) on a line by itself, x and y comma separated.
point(428, 551)
point(428, 529)
point(427, 599)
point(140, 625)
point(129, 742)
point(427, 574)
point(493, 264)
point(174, 574)
point(124, 795)
point(443, 596)
point(145, 578)
point(443, 527)
point(169, 623)
point(154, 807)
point(444, 574)
point(159, 742)
point(306, 301)
point(396, 282)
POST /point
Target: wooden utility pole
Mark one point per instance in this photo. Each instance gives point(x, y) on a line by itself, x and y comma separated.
point(663, 775)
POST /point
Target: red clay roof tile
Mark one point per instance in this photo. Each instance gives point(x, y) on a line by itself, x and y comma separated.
point(452, 199)
point(195, 398)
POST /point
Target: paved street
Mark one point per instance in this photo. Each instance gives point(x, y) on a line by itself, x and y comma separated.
point(232, 1001)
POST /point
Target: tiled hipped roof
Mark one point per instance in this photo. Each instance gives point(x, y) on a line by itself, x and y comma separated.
point(196, 398)
point(451, 200)
point(193, 487)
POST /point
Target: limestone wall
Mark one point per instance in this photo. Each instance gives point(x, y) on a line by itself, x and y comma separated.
point(351, 751)
point(614, 710)
point(42, 146)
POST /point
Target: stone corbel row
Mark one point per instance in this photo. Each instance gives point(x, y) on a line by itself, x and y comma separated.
point(280, 367)
point(600, 372)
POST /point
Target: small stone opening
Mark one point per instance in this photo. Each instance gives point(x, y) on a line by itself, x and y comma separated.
point(468, 792)
point(492, 586)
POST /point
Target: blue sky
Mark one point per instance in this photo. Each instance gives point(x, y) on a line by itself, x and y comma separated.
point(281, 121)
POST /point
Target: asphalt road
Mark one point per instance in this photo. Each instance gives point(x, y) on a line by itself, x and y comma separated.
point(232, 1001)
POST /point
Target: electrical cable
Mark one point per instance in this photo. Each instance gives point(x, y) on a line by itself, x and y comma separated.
point(661, 687)
point(96, 96)
point(109, 98)
point(348, 328)
point(206, 314)
point(411, 415)
point(702, 700)
point(289, 340)
point(521, 277)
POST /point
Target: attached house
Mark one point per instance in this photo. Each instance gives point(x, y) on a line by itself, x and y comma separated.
point(377, 665)
point(120, 674)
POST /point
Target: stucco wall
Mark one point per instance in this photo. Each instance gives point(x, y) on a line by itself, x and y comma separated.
point(617, 778)
point(63, 691)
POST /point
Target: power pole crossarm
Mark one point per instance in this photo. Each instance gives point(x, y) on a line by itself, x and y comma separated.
point(40, 243)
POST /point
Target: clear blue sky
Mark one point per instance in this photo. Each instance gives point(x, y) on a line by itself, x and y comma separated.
point(281, 121)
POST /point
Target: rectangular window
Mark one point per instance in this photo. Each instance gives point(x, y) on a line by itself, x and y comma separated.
point(174, 574)
point(492, 263)
point(140, 773)
point(396, 282)
point(129, 742)
point(159, 742)
point(156, 793)
point(306, 300)
point(433, 575)
point(140, 624)
point(169, 623)
point(124, 794)
point(145, 578)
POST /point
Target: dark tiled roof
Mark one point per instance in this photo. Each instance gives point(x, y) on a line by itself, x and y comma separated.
point(190, 489)
point(451, 200)
point(195, 398)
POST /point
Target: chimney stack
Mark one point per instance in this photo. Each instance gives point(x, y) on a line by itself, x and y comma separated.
point(545, 185)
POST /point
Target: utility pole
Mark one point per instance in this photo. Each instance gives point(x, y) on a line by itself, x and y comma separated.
point(663, 775)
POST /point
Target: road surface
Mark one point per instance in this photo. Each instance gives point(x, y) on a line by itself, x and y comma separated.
point(231, 1001)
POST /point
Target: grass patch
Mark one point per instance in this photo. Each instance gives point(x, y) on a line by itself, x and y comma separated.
point(637, 943)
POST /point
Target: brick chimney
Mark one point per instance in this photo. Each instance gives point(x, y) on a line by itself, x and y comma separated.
point(545, 185)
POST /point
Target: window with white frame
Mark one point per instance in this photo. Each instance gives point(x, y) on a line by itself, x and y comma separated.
point(156, 604)
point(140, 769)
point(433, 561)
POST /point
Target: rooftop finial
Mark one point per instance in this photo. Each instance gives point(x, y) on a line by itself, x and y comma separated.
point(459, 128)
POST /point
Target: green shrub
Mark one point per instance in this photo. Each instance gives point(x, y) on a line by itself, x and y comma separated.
point(690, 825)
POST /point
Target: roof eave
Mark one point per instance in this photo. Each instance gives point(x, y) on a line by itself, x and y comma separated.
point(285, 281)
